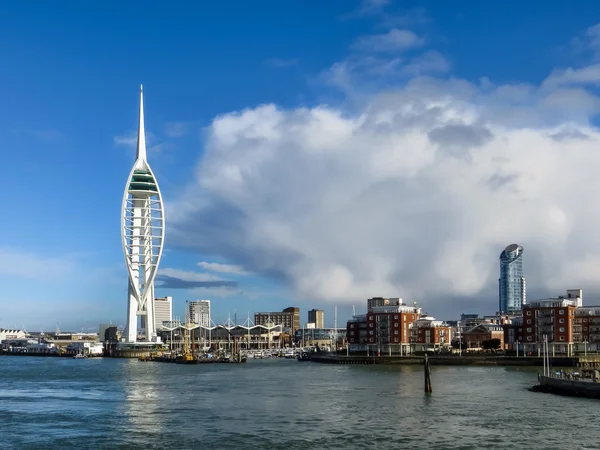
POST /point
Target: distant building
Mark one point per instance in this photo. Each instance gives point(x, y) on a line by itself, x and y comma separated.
point(317, 316)
point(319, 336)
point(553, 319)
point(428, 333)
point(289, 318)
point(163, 311)
point(387, 324)
point(199, 311)
point(475, 337)
point(512, 290)
point(11, 334)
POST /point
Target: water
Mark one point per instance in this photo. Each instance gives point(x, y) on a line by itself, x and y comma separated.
point(281, 404)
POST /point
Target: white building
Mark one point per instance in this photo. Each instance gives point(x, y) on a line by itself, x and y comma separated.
point(163, 311)
point(11, 334)
point(200, 312)
point(142, 237)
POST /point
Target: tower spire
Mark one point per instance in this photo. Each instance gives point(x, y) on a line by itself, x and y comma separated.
point(141, 140)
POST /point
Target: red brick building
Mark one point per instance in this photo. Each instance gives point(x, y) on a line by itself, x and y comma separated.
point(427, 333)
point(474, 338)
point(552, 319)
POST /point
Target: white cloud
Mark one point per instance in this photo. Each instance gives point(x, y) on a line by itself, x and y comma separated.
point(393, 41)
point(413, 191)
point(222, 268)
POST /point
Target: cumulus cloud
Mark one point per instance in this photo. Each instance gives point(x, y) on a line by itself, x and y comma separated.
point(414, 192)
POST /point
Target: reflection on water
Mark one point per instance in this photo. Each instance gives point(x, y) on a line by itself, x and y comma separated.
point(65, 403)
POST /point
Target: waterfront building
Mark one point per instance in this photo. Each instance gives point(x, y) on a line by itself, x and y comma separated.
point(513, 333)
point(586, 325)
point(163, 311)
point(474, 338)
point(320, 336)
point(551, 319)
point(428, 333)
point(142, 236)
point(11, 334)
point(317, 316)
point(512, 290)
point(289, 319)
point(199, 312)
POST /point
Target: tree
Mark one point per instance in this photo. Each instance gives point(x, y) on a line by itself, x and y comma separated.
point(459, 344)
point(491, 344)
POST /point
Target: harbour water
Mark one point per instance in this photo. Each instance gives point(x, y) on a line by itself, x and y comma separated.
point(58, 403)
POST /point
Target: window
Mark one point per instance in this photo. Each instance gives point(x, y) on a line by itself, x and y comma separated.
point(584, 328)
point(351, 325)
point(562, 311)
point(528, 321)
point(395, 324)
point(404, 318)
point(561, 321)
point(529, 330)
point(395, 331)
point(371, 332)
point(396, 316)
point(585, 320)
point(561, 329)
point(370, 325)
point(351, 339)
point(529, 338)
point(562, 338)
point(528, 313)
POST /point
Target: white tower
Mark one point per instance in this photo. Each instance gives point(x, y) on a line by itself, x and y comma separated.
point(142, 235)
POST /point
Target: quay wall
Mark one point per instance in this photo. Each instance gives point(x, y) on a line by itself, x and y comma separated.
point(574, 388)
point(456, 360)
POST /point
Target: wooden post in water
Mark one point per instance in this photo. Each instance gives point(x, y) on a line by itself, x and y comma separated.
point(427, 368)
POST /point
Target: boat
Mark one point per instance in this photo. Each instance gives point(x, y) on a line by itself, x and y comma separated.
point(303, 356)
point(79, 356)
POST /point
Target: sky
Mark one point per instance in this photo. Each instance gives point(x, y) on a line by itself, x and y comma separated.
point(309, 153)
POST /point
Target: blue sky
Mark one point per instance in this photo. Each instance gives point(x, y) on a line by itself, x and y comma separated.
point(71, 71)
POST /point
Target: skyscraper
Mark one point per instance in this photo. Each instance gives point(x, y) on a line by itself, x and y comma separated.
point(142, 237)
point(200, 312)
point(511, 285)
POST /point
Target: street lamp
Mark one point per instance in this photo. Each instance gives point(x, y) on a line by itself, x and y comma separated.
point(517, 342)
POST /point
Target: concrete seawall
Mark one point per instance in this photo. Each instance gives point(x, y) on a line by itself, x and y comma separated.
point(573, 388)
point(455, 360)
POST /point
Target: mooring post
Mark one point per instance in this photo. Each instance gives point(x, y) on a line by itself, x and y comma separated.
point(427, 370)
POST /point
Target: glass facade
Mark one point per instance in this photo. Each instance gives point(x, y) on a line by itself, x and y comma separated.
point(512, 289)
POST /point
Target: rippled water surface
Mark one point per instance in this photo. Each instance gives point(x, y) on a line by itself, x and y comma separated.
point(281, 404)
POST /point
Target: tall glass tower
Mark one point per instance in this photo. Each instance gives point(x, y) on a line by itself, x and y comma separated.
point(512, 287)
point(142, 236)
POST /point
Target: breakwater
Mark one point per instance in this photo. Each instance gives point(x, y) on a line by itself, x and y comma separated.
point(455, 360)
